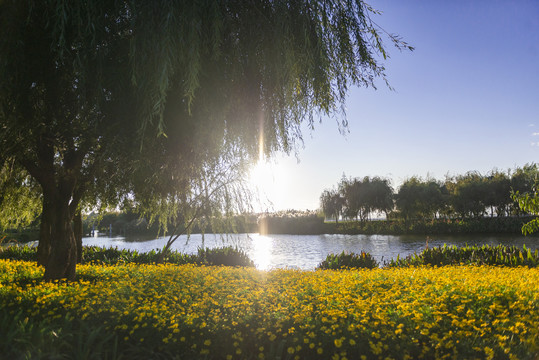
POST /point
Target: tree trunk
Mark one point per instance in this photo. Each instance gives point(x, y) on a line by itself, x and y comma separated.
point(62, 192)
point(63, 248)
point(57, 250)
point(77, 228)
point(45, 232)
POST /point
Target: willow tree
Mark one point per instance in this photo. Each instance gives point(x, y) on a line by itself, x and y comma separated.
point(332, 203)
point(106, 99)
point(19, 197)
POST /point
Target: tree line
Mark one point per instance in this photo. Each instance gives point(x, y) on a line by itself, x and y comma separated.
point(471, 195)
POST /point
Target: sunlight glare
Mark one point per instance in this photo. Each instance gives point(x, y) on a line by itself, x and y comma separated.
point(262, 246)
point(264, 181)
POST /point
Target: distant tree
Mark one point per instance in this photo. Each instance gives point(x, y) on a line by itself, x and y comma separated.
point(420, 198)
point(351, 192)
point(497, 193)
point(432, 198)
point(446, 210)
point(407, 199)
point(365, 196)
point(103, 100)
point(468, 198)
point(381, 195)
point(332, 204)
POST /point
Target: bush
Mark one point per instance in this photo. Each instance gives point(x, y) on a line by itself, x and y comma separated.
point(470, 255)
point(348, 261)
point(14, 252)
point(227, 256)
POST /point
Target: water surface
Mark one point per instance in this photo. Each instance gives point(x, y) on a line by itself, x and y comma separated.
point(307, 251)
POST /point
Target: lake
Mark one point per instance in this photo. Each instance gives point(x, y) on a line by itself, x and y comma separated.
point(307, 251)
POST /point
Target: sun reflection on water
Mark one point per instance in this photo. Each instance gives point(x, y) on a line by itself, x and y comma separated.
point(262, 249)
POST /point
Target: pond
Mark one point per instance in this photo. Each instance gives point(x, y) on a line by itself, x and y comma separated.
point(307, 251)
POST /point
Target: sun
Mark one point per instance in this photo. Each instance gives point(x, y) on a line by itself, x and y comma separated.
point(265, 179)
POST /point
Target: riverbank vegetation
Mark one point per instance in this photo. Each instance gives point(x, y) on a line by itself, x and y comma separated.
point(310, 223)
point(199, 312)
point(128, 223)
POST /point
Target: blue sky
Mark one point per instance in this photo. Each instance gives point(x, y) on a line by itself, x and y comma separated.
point(466, 99)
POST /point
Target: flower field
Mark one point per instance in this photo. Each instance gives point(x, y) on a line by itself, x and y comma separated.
point(201, 312)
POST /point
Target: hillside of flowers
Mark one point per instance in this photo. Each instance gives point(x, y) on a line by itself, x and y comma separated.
point(206, 312)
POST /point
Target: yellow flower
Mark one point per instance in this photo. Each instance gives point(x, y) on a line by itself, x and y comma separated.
point(489, 352)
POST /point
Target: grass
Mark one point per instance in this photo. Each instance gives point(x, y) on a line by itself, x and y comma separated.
point(205, 312)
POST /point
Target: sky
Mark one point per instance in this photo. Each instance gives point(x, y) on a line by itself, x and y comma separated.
point(466, 99)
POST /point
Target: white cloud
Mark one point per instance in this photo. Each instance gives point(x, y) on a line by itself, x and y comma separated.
point(535, 134)
point(531, 125)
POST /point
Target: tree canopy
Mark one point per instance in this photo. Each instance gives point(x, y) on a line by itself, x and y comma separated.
point(332, 203)
point(103, 101)
point(471, 195)
point(365, 196)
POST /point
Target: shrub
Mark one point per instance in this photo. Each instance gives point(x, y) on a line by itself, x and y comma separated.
point(227, 256)
point(348, 261)
point(470, 255)
point(13, 252)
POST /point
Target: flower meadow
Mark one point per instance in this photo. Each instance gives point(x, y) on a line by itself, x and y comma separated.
point(208, 312)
